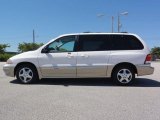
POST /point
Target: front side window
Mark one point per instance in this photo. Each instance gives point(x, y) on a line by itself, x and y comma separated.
point(64, 44)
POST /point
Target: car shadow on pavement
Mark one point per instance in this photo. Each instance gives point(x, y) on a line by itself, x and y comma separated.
point(139, 82)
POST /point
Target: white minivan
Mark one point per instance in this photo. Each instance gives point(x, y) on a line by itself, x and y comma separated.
point(120, 56)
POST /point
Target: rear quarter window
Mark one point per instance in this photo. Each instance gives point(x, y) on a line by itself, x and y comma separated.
point(125, 42)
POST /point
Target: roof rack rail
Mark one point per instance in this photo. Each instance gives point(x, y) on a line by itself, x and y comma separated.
point(87, 32)
point(124, 32)
point(92, 32)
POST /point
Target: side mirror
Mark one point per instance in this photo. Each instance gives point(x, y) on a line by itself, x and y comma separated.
point(44, 50)
point(48, 50)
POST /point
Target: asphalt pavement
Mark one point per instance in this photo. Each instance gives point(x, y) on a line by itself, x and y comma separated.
point(80, 99)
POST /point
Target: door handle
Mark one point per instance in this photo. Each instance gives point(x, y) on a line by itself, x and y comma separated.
point(69, 55)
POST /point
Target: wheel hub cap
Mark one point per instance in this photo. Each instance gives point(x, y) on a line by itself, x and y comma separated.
point(25, 74)
point(124, 76)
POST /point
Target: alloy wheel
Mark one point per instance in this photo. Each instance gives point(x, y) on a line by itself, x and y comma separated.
point(25, 74)
point(124, 76)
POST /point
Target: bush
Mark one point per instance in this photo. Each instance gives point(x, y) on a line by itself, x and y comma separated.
point(3, 48)
point(155, 53)
point(4, 57)
point(24, 47)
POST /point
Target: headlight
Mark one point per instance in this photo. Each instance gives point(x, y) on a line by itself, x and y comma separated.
point(9, 61)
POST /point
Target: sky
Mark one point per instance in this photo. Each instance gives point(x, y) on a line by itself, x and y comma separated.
point(51, 18)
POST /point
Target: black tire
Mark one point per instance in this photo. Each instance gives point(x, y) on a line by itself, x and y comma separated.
point(123, 75)
point(27, 74)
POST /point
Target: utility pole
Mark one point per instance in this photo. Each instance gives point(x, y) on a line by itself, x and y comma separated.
point(112, 24)
point(119, 23)
point(33, 36)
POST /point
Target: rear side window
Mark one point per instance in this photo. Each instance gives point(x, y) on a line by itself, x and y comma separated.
point(93, 43)
point(125, 42)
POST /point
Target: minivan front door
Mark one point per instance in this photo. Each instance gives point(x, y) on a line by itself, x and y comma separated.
point(59, 60)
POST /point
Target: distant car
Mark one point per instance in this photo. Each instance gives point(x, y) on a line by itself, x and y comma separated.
point(84, 55)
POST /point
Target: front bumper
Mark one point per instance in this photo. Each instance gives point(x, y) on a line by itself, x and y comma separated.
point(144, 70)
point(9, 69)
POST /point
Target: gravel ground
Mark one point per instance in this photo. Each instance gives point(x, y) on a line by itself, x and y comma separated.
point(80, 99)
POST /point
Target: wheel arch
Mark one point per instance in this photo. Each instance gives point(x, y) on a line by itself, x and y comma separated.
point(25, 63)
point(127, 64)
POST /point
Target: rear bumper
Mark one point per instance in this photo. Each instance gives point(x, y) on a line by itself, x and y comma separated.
point(9, 70)
point(144, 70)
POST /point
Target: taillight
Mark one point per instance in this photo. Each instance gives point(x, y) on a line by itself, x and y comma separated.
point(148, 59)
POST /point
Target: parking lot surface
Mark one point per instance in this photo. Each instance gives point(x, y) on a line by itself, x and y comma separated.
point(80, 99)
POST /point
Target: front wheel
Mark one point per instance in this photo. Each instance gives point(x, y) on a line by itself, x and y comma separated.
point(123, 75)
point(26, 74)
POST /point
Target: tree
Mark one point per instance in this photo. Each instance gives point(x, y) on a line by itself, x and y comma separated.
point(23, 47)
point(3, 48)
point(155, 52)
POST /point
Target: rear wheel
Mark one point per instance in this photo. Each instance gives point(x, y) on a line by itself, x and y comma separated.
point(26, 74)
point(123, 75)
